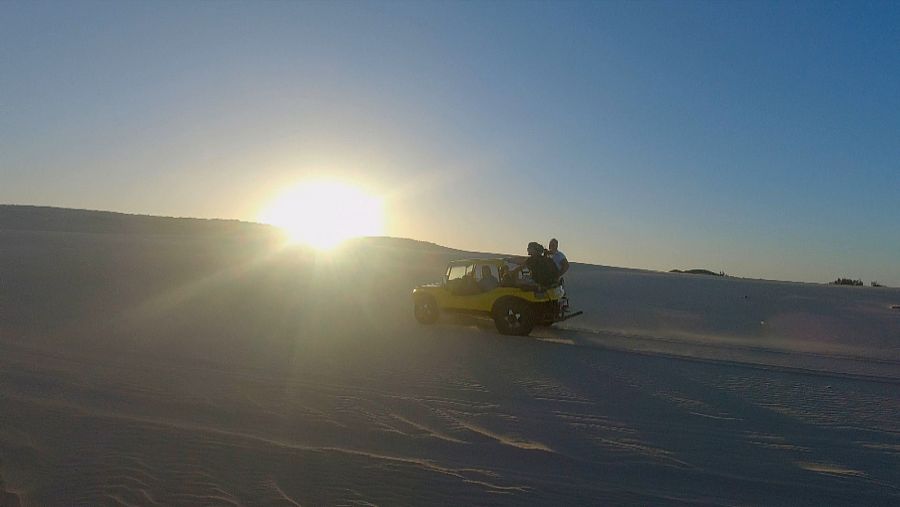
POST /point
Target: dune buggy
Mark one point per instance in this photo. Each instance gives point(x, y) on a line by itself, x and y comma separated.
point(484, 287)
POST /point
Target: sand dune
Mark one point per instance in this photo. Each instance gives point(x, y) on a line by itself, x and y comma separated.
point(161, 364)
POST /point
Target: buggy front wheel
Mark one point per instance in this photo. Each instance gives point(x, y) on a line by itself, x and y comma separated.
point(426, 309)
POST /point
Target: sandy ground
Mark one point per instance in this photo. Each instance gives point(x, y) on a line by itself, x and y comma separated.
point(207, 367)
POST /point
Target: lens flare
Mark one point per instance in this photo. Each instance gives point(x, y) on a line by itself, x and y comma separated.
point(323, 214)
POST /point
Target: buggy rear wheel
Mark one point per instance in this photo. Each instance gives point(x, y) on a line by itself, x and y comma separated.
point(513, 316)
point(426, 309)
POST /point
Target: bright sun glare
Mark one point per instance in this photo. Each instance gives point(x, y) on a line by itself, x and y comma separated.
point(322, 214)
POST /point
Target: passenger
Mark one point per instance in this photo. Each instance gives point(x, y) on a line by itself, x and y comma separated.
point(488, 281)
point(506, 279)
point(559, 258)
point(543, 270)
point(470, 286)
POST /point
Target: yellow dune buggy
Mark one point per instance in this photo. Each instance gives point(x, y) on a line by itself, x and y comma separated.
point(484, 287)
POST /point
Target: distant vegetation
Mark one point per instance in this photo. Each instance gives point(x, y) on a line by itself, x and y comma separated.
point(698, 272)
point(847, 281)
point(855, 283)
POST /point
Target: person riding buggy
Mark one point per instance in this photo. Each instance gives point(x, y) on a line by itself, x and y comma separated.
point(543, 270)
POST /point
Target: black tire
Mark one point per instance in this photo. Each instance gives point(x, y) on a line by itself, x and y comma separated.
point(426, 309)
point(513, 316)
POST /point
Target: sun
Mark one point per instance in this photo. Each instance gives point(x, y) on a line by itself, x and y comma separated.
point(323, 214)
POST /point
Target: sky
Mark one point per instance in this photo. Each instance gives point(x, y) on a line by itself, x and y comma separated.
point(760, 139)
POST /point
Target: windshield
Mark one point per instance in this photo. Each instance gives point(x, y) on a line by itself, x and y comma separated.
point(457, 272)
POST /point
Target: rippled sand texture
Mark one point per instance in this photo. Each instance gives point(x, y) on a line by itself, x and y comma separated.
point(198, 365)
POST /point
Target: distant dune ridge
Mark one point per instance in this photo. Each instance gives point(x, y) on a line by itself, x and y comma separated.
point(163, 361)
point(698, 272)
point(52, 219)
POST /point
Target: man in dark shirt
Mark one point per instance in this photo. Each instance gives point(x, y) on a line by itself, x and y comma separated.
point(543, 270)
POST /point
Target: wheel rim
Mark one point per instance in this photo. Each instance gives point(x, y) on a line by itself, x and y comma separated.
point(425, 309)
point(513, 318)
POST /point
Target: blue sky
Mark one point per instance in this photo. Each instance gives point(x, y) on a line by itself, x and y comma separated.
point(762, 139)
